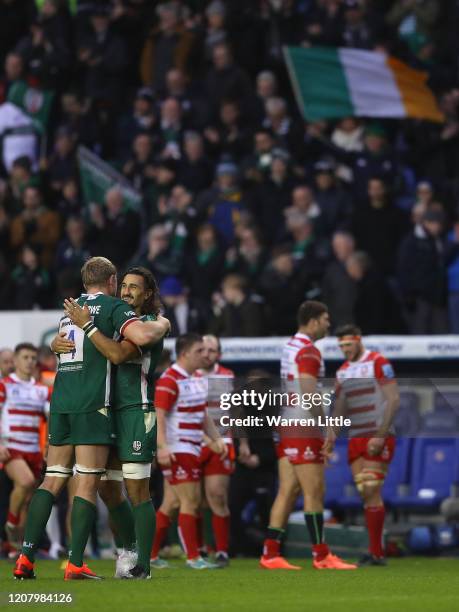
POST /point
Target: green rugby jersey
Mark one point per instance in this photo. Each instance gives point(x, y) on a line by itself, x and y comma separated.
point(134, 380)
point(84, 376)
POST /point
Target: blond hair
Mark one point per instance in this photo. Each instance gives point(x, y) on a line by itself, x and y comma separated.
point(97, 272)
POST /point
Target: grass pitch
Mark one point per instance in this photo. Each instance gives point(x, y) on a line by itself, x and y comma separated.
point(406, 584)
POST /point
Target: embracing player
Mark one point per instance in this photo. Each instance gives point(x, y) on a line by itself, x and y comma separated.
point(134, 421)
point(302, 456)
point(81, 428)
point(367, 393)
point(23, 407)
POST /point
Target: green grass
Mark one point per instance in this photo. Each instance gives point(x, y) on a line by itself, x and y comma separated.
point(409, 584)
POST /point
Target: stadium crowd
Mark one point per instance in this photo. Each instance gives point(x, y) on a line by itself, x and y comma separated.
point(246, 208)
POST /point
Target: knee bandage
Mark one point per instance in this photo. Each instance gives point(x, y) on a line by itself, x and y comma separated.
point(82, 470)
point(136, 471)
point(113, 475)
point(58, 471)
point(369, 477)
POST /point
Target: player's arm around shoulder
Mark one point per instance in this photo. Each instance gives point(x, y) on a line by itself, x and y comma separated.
point(147, 332)
point(116, 352)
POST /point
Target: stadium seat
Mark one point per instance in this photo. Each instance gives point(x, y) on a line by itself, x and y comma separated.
point(399, 471)
point(338, 476)
point(407, 418)
point(441, 423)
point(447, 400)
point(434, 469)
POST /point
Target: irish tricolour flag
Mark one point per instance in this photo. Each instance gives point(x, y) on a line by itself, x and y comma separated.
point(332, 83)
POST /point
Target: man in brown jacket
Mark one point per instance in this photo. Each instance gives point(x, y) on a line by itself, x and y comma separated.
point(35, 225)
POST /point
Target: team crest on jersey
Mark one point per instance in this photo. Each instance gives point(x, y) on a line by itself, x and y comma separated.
point(137, 445)
point(308, 453)
point(180, 474)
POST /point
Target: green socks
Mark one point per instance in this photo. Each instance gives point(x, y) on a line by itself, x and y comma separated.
point(39, 510)
point(145, 524)
point(82, 519)
point(315, 525)
point(123, 522)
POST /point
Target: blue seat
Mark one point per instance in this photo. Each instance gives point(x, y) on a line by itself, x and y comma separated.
point(338, 476)
point(434, 469)
point(441, 422)
point(399, 471)
point(446, 401)
point(407, 420)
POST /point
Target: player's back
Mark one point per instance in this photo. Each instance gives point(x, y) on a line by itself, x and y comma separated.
point(84, 377)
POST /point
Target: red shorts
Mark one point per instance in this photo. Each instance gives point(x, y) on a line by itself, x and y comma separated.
point(185, 468)
point(212, 465)
point(358, 448)
point(33, 460)
point(301, 451)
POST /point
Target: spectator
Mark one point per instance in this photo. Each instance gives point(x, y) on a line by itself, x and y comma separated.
point(171, 127)
point(102, 57)
point(266, 88)
point(115, 229)
point(204, 264)
point(249, 257)
point(72, 250)
point(69, 205)
point(30, 282)
point(226, 81)
point(139, 168)
point(14, 71)
point(413, 17)
point(229, 137)
point(348, 135)
point(333, 202)
point(283, 287)
point(160, 255)
point(236, 313)
point(272, 197)
point(61, 166)
point(141, 119)
point(225, 202)
point(215, 32)
point(422, 275)
point(356, 33)
point(307, 248)
point(338, 288)
point(374, 305)
point(195, 171)
point(168, 46)
point(279, 122)
point(36, 226)
point(180, 311)
point(258, 164)
point(379, 226)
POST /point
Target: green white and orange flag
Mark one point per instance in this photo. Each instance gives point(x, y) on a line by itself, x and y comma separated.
point(331, 83)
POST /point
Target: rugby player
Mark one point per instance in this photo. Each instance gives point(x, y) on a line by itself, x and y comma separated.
point(134, 417)
point(81, 430)
point(6, 362)
point(367, 393)
point(183, 425)
point(301, 459)
point(216, 472)
point(23, 405)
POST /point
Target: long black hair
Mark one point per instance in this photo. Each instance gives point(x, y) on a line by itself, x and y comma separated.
point(153, 304)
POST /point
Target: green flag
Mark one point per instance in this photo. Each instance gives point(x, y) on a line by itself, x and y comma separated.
point(35, 102)
point(97, 177)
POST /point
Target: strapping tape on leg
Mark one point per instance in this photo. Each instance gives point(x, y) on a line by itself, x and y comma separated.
point(369, 477)
point(82, 470)
point(59, 471)
point(113, 475)
point(136, 471)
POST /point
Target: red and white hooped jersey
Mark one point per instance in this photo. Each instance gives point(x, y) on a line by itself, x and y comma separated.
point(220, 380)
point(299, 356)
point(184, 398)
point(23, 406)
point(360, 381)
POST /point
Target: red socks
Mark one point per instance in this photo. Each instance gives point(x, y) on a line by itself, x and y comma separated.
point(374, 517)
point(188, 532)
point(13, 519)
point(271, 548)
point(162, 525)
point(221, 528)
point(320, 551)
